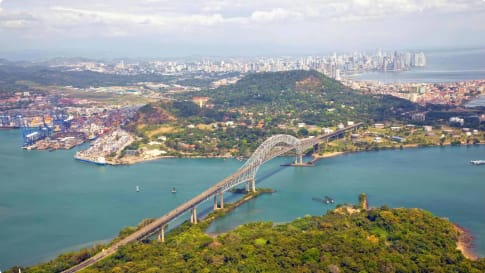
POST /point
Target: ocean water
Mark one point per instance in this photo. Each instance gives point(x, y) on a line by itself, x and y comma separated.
point(438, 179)
point(51, 203)
point(442, 66)
point(477, 102)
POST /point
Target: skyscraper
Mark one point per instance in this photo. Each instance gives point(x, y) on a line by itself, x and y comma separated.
point(419, 59)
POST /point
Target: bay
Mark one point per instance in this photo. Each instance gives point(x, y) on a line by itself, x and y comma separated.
point(51, 203)
point(477, 102)
point(442, 66)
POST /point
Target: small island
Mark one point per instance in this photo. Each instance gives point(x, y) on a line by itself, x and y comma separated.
point(351, 238)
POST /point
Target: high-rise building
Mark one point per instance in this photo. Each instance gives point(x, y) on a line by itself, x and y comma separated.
point(418, 60)
point(422, 59)
point(407, 59)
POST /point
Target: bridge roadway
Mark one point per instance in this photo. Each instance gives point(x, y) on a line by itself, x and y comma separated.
point(219, 187)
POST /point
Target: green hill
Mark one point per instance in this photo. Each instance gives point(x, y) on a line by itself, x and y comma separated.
point(379, 240)
point(259, 105)
point(308, 96)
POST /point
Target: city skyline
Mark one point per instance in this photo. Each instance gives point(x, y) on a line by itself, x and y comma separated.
point(158, 28)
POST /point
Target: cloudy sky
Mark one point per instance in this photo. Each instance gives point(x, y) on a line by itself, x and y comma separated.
point(163, 28)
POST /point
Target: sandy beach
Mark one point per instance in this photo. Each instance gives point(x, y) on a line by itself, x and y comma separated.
point(465, 243)
point(328, 155)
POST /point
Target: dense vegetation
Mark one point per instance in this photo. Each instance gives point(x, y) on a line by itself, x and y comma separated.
point(13, 74)
point(377, 240)
point(239, 117)
point(308, 96)
point(10, 75)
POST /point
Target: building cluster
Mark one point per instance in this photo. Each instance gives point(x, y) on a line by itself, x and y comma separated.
point(64, 131)
point(333, 65)
point(96, 121)
point(50, 122)
point(455, 93)
point(108, 145)
point(14, 105)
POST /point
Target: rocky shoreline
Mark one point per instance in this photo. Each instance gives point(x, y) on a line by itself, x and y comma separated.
point(465, 243)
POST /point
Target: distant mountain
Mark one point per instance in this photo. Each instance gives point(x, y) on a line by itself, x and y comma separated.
point(12, 73)
point(5, 62)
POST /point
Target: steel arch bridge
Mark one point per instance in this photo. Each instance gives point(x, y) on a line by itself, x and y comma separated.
point(274, 146)
point(269, 149)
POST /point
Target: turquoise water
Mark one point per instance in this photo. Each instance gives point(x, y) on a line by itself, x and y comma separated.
point(50, 203)
point(442, 66)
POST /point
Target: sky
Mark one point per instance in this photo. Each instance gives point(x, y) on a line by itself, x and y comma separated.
point(163, 28)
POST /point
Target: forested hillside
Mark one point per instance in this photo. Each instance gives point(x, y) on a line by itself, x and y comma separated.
point(308, 96)
point(10, 75)
point(379, 240)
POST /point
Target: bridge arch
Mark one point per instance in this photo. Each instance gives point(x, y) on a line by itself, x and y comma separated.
point(269, 149)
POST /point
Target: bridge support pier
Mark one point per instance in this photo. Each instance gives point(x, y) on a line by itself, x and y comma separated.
point(253, 185)
point(316, 148)
point(222, 199)
point(161, 235)
point(193, 215)
point(299, 159)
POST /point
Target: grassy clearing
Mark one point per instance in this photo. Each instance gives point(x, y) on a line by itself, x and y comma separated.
point(163, 129)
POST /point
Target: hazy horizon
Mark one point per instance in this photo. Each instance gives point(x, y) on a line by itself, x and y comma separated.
point(42, 55)
point(166, 29)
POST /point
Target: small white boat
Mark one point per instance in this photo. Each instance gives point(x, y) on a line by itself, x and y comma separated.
point(477, 162)
point(137, 188)
point(174, 190)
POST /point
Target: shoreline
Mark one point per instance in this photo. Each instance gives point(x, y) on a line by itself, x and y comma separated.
point(465, 243)
point(408, 146)
point(232, 206)
point(135, 160)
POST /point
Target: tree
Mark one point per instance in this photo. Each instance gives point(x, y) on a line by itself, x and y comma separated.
point(302, 132)
point(363, 200)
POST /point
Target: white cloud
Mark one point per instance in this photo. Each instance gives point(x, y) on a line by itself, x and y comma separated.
point(237, 21)
point(14, 24)
point(208, 13)
point(101, 17)
point(72, 16)
point(274, 15)
point(12, 20)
